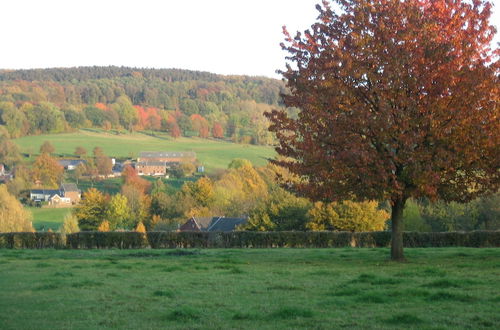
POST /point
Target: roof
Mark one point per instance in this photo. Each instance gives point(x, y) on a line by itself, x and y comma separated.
point(167, 154)
point(50, 192)
point(151, 164)
point(68, 162)
point(203, 222)
point(225, 224)
point(66, 187)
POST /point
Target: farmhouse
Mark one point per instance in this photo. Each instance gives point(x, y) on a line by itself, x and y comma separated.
point(66, 195)
point(158, 162)
point(212, 224)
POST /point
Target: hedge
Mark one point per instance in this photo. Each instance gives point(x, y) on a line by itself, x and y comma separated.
point(31, 240)
point(243, 239)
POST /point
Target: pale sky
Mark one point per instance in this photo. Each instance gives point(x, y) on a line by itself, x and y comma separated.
point(219, 36)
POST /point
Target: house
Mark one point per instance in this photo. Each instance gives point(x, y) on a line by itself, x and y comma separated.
point(66, 195)
point(71, 164)
point(212, 224)
point(155, 163)
point(2, 170)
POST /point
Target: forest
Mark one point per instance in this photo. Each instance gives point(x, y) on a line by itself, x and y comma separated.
point(180, 102)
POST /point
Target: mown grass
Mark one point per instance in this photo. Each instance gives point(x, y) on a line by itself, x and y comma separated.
point(250, 289)
point(48, 218)
point(211, 153)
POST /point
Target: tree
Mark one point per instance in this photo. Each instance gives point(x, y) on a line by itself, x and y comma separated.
point(13, 217)
point(117, 211)
point(9, 152)
point(218, 131)
point(104, 165)
point(70, 225)
point(47, 148)
point(80, 152)
point(47, 171)
point(398, 99)
point(91, 210)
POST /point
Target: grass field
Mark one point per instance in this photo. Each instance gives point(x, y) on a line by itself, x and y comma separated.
point(45, 218)
point(447, 288)
point(213, 154)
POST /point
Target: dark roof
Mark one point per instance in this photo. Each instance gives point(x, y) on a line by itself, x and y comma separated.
point(225, 224)
point(69, 187)
point(203, 222)
point(167, 154)
point(50, 192)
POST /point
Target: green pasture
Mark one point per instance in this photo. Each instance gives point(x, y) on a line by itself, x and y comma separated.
point(48, 218)
point(438, 288)
point(211, 153)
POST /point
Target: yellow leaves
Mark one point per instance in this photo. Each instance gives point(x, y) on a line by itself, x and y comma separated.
point(13, 217)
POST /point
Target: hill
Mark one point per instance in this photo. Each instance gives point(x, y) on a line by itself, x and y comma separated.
point(211, 153)
point(180, 102)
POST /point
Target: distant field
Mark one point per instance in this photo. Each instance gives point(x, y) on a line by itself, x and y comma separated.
point(48, 218)
point(438, 288)
point(213, 154)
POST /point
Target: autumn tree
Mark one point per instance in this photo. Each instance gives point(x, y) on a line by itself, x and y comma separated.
point(218, 131)
point(47, 148)
point(397, 99)
point(117, 211)
point(13, 217)
point(90, 212)
point(80, 152)
point(47, 171)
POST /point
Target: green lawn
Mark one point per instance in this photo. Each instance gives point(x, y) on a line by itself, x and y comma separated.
point(45, 218)
point(213, 154)
point(446, 288)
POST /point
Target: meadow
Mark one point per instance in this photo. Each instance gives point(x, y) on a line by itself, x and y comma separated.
point(48, 218)
point(212, 154)
point(438, 288)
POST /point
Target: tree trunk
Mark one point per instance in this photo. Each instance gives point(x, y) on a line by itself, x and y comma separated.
point(397, 230)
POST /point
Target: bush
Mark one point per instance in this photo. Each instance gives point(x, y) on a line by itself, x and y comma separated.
point(106, 240)
point(244, 239)
point(29, 240)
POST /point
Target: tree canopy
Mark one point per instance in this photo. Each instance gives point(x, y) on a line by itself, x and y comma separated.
point(397, 99)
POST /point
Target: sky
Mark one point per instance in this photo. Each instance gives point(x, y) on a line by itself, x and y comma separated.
point(219, 36)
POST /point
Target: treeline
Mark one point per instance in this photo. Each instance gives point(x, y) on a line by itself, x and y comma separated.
point(58, 100)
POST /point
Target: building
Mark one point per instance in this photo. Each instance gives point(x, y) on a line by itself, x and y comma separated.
point(167, 156)
point(67, 194)
point(212, 224)
point(71, 164)
point(155, 163)
point(2, 170)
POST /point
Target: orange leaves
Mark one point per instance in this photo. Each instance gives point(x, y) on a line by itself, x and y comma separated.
point(399, 100)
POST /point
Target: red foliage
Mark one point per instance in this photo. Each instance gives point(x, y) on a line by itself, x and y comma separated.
point(200, 124)
point(102, 106)
point(218, 131)
point(132, 178)
point(398, 99)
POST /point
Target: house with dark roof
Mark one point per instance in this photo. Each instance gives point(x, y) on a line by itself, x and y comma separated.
point(66, 195)
point(212, 224)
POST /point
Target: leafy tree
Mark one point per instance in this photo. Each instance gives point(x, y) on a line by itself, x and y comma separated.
point(140, 228)
point(9, 152)
point(218, 131)
point(80, 152)
point(104, 165)
point(47, 148)
point(13, 217)
point(47, 171)
point(104, 226)
point(70, 225)
point(322, 217)
point(91, 211)
point(183, 170)
point(117, 212)
point(398, 99)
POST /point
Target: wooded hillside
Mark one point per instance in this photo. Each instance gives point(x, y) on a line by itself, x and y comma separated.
point(181, 102)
